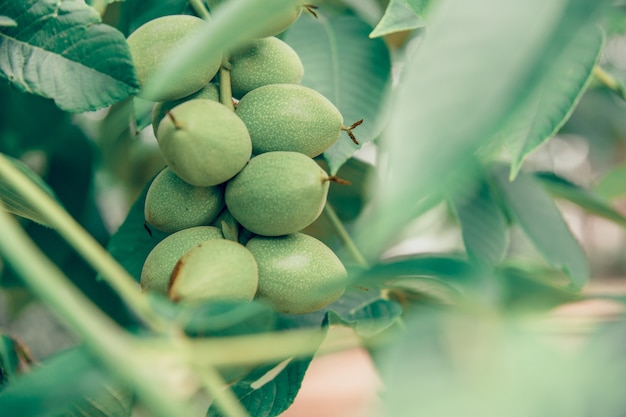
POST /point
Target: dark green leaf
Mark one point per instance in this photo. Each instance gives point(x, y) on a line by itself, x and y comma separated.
point(533, 209)
point(555, 98)
point(134, 240)
point(268, 398)
point(365, 311)
point(451, 269)
point(69, 379)
point(586, 199)
point(13, 201)
point(61, 50)
point(398, 17)
point(476, 66)
point(484, 227)
point(348, 68)
point(137, 12)
point(15, 359)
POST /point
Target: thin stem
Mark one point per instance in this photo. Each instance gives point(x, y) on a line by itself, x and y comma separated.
point(610, 82)
point(198, 7)
point(226, 92)
point(112, 345)
point(59, 219)
point(341, 231)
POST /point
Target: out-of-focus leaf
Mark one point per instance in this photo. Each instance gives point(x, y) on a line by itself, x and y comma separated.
point(484, 227)
point(456, 92)
point(555, 98)
point(447, 268)
point(6, 21)
point(61, 50)
point(69, 379)
point(613, 184)
point(15, 359)
point(398, 17)
point(13, 201)
point(586, 199)
point(530, 206)
point(420, 6)
point(350, 69)
point(135, 13)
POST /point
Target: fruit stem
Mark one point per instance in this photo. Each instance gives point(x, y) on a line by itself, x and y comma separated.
point(336, 179)
point(198, 7)
point(341, 231)
point(226, 92)
point(348, 129)
point(311, 8)
point(59, 219)
point(173, 119)
point(610, 82)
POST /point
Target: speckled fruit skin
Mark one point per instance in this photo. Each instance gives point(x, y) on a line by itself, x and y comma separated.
point(277, 193)
point(150, 46)
point(298, 274)
point(289, 117)
point(262, 62)
point(210, 146)
point(173, 205)
point(208, 92)
point(215, 270)
point(158, 266)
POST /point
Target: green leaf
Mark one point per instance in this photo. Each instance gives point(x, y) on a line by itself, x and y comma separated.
point(367, 312)
point(448, 268)
point(61, 50)
point(12, 200)
point(69, 379)
point(6, 21)
point(347, 67)
point(533, 209)
point(484, 227)
point(15, 359)
point(398, 17)
point(586, 199)
point(555, 98)
point(133, 241)
point(266, 396)
point(613, 184)
point(135, 13)
point(420, 7)
point(476, 66)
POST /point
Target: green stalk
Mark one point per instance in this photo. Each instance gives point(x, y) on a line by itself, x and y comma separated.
point(610, 82)
point(226, 92)
point(341, 231)
point(83, 243)
point(111, 344)
point(198, 7)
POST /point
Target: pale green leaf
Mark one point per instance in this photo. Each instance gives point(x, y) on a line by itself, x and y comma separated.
point(398, 17)
point(6, 21)
point(613, 184)
point(348, 68)
point(555, 98)
point(420, 6)
point(475, 66)
point(12, 201)
point(532, 208)
point(61, 50)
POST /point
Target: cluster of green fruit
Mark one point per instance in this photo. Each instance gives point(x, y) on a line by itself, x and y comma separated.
point(248, 169)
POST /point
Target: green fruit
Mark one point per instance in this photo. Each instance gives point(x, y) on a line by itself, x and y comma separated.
point(277, 193)
point(151, 44)
point(215, 270)
point(289, 117)
point(210, 91)
point(173, 205)
point(158, 266)
point(204, 142)
point(262, 62)
point(297, 273)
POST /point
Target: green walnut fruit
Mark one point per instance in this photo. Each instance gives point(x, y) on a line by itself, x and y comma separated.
point(289, 117)
point(204, 142)
point(277, 193)
point(262, 62)
point(158, 266)
point(210, 91)
point(215, 270)
point(151, 44)
point(297, 273)
point(173, 205)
